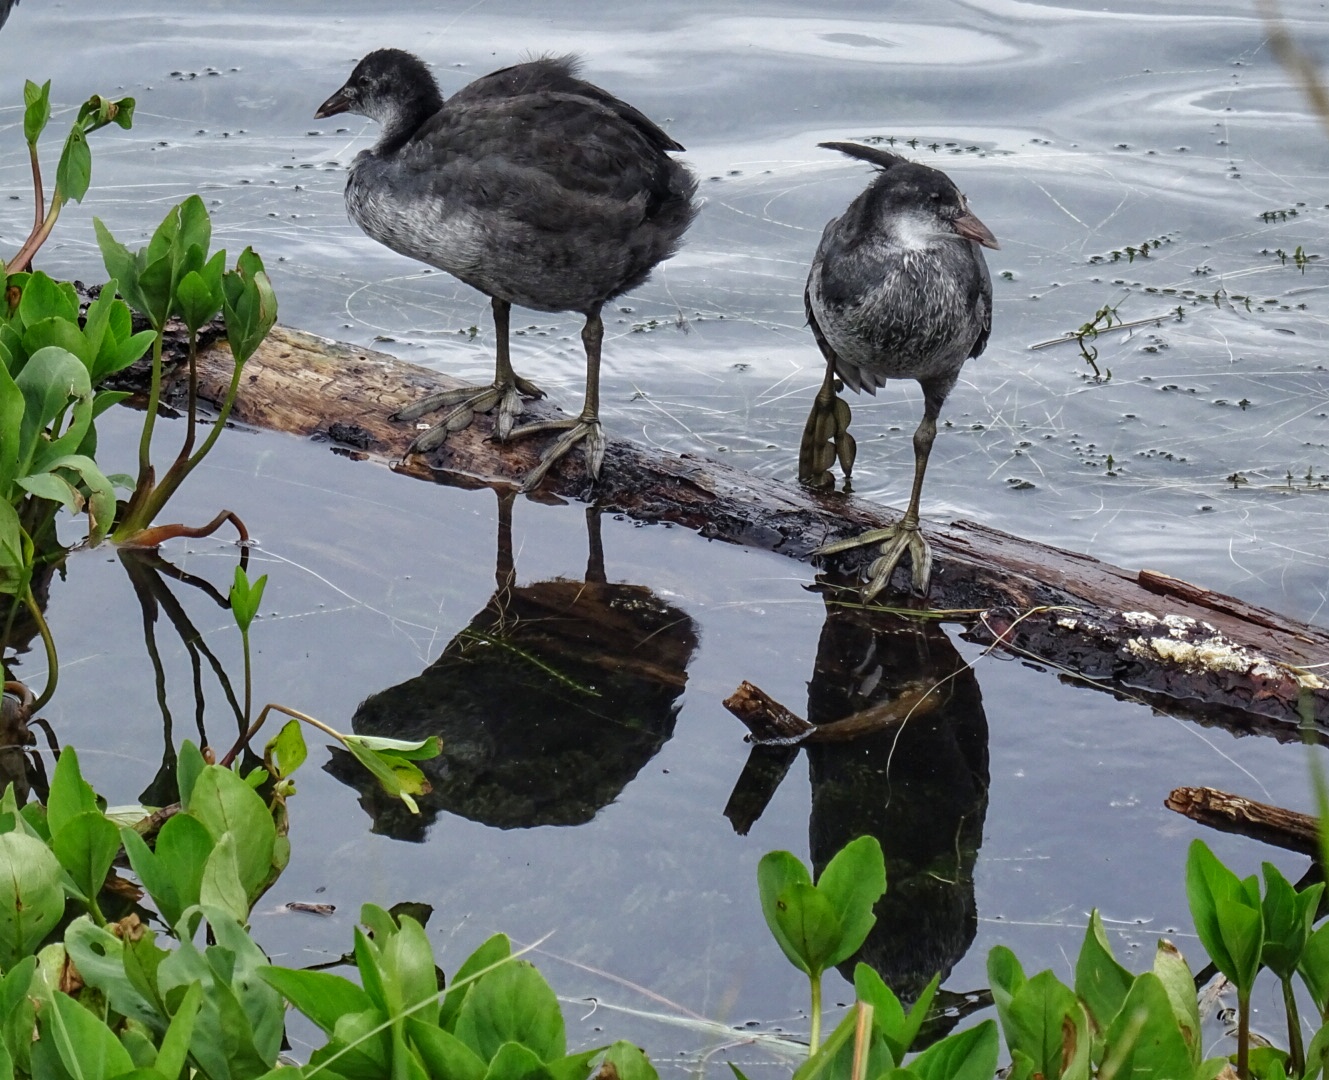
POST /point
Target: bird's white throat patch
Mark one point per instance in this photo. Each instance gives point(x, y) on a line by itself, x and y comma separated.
point(917, 232)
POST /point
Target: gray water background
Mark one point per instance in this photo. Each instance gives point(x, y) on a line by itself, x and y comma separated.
point(1075, 131)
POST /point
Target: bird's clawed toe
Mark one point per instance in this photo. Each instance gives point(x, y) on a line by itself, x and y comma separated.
point(587, 431)
point(895, 541)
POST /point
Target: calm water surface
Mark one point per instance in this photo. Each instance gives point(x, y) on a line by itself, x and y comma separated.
point(1077, 132)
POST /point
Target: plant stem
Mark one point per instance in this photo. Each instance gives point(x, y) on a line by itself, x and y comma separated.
point(1296, 1051)
point(1243, 1034)
point(137, 516)
point(38, 195)
point(52, 663)
point(814, 1040)
point(38, 236)
point(244, 641)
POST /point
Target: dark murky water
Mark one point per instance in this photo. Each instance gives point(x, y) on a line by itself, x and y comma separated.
point(1077, 133)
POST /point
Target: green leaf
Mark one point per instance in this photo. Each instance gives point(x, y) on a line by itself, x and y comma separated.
point(407, 956)
point(36, 109)
point(225, 803)
point(1242, 928)
point(74, 172)
point(221, 886)
point(173, 873)
point(1144, 1039)
point(1047, 1022)
point(445, 1055)
point(853, 881)
point(512, 1061)
point(245, 598)
point(512, 1004)
point(188, 769)
point(493, 951)
point(966, 1055)
point(250, 305)
point(156, 288)
point(43, 298)
point(286, 751)
point(399, 776)
point(174, 1050)
point(121, 266)
point(629, 1062)
point(1175, 976)
point(86, 1046)
point(1101, 983)
point(100, 958)
point(777, 874)
point(70, 794)
point(320, 995)
point(1314, 967)
point(1288, 917)
point(195, 301)
point(31, 897)
point(86, 846)
point(1208, 882)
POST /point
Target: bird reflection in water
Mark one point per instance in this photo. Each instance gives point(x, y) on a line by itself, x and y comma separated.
point(918, 784)
point(548, 703)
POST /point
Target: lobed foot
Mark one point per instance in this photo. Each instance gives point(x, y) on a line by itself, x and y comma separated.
point(826, 438)
point(895, 541)
point(464, 403)
point(574, 431)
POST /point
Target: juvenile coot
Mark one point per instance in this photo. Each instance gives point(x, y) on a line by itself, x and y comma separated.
point(529, 184)
point(898, 290)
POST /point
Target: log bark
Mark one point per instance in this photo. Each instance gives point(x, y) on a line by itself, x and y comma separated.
point(1139, 634)
point(1260, 821)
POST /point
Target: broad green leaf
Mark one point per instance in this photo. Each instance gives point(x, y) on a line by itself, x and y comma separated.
point(86, 1046)
point(512, 1004)
point(156, 287)
point(60, 332)
point(70, 794)
point(195, 301)
point(408, 957)
point(1144, 1039)
point(853, 881)
point(99, 956)
point(966, 1055)
point(221, 886)
point(777, 873)
point(445, 1055)
point(513, 1061)
point(74, 172)
point(174, 1050)
point(1175, 976)
point(86, 846)
point(32, 899)
point(1288, 917)
point(399, 776)
point(1049, 1024)
point(245, 598)
point(629, 1062)
point(225, 803)
point(36, 109)
point(43, 298)
point(494, 951)
point(11, 422)
point(1005, 977)
point(121, 265)
point(1314, 967)
point(1100, 981)
point(1242, 928)
point(809, 922)
point(320, 995)
point(173, 873)
point(286, 751)
point(189, 767)
point(410, 749)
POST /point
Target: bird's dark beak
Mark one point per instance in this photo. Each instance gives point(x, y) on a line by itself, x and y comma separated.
point(968, 226)
point(338, 103)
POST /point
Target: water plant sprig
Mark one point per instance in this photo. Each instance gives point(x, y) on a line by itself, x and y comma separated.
point(823, 924)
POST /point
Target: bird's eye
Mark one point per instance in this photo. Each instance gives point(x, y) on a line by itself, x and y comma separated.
point(362, 81)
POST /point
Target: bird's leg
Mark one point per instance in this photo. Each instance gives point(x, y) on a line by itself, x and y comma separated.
point(826, 436)
point(905, 535)
point(464, 402)
point(584, 427)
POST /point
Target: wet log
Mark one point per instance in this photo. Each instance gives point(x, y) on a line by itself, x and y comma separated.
point(1260, 821)
point(1140, 634)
